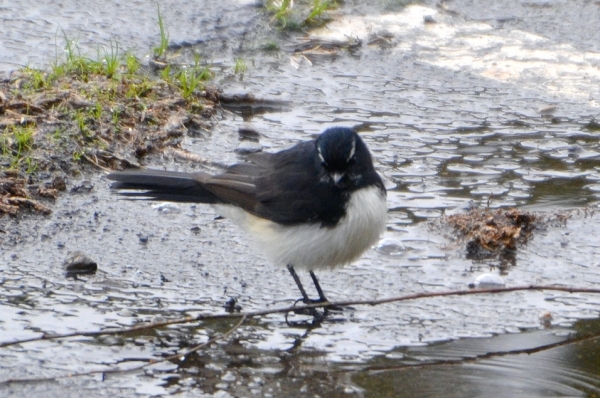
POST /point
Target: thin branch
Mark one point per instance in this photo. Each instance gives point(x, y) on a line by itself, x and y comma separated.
point(135, 368)
point(244, 316)
point(251, 314)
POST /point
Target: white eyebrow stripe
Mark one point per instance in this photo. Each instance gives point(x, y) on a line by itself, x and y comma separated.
point(353, 149)
point(320, 154)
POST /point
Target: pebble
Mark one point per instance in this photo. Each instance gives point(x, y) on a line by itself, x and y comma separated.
point(246, 147)
point(391, 247)
point(488, 280)
point(77, 263)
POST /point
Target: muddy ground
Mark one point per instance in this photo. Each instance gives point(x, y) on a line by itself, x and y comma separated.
point(462, 104)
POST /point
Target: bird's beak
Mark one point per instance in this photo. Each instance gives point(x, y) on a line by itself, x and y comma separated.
point(336, 177)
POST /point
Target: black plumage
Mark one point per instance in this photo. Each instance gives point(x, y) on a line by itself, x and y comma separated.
point(300, 198)
point(289, 187)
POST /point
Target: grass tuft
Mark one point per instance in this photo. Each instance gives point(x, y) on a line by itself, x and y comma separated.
point(161, 49)
point(240, 66)
point(15, 142)
point(132, 64)
point(111, 60)
point(306, 13)
point(190, 80)
point(270, 46)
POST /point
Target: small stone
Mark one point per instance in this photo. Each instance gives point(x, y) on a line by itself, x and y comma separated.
point(228, 377)
point(429, 19)
point(77, 263)
point(84, 186)
point(246, 147)
point(547, 110)
point(222, 386)
point(488, 281)
point(157, 64)
point(247, 132)
point(59, 183)
point(167, 207)
point(391, 247)
point(232, 306)
point(195, 230)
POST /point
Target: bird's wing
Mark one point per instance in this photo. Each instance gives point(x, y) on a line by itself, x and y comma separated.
point(283, 187)
point(236, 186)
point(293, 200)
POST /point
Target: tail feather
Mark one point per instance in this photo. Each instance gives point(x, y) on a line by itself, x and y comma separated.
point(169, 186)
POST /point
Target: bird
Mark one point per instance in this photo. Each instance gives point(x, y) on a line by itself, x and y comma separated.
point(319, 204)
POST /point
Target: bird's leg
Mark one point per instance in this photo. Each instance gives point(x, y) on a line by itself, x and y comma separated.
point(322, 297)
point(299, 284)
point(317, 317)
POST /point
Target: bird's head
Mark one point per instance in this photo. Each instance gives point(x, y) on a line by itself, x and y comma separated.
point(343, 156)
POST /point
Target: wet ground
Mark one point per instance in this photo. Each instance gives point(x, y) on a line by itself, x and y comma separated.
point(458, 102)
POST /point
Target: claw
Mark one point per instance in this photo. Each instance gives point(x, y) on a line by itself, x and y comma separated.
point(317, 315)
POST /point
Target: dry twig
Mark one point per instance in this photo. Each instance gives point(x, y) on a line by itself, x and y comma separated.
point(251, 314)
point(243, 316)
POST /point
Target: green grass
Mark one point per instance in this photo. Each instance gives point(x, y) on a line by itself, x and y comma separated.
point(58, 134)
point(161, 49)
point(240, 66)
point(37, 78)
point(270, 46)
point(110, 61)
point(96, 112)
point(107, 63)
point(30, 165)
point(73, 63)
point(115, 119)
point(281, 11)
point(282, 14)
point(165, 74)
point(80, 117)
point(132, 64)
point(23, 137)
point(190, 80)
point(318, 10)
point(139, 89)
point(290, 16)
point(16, 141)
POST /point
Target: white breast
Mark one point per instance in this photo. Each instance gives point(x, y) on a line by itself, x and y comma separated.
point(312, 246)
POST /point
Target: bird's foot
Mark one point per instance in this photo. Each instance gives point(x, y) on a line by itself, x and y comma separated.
point(317, 315)
point(326, 308)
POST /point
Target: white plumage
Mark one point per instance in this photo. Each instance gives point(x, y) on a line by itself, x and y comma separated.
point(311, 246)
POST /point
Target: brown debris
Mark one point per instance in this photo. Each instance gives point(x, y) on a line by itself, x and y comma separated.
point(494, 230)
point(48, 193)
point(50, 98)
point(14, 195)
point(312, 46)
point(24, 107)
point(27, 203)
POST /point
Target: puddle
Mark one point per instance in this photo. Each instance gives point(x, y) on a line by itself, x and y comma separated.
point(565, 371)
point(455, 112)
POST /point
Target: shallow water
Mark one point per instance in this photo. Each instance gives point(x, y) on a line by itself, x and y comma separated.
point(488, 101)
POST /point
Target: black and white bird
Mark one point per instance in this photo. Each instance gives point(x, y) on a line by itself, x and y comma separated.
point(319, 204)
